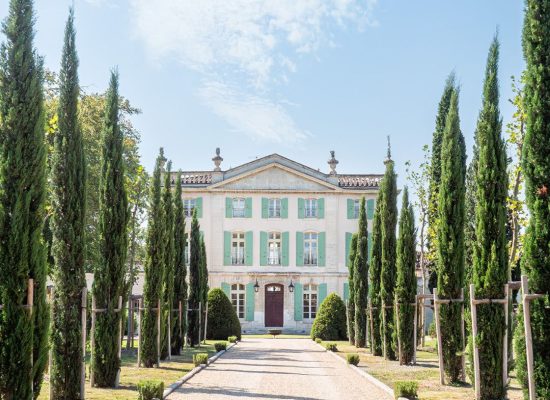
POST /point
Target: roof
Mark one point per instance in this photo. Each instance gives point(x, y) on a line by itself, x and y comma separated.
point(359, 181)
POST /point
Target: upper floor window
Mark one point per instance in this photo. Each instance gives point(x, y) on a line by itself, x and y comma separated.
point(356, 206)
point(274, 207)
point(274, 248)
point(239, 207)
point(237, 299)
point(237, 248)
point(310, 248)
point(310, 208)
point(310, 301)
point(188, 206)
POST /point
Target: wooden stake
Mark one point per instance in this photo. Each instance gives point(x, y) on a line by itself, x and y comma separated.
point(83, 307)
point(415, 333)
point(528, 338)
point(119, 310)
point(463, 337)
point(50, 352)
point(371, 328)
point(158, 333)
point(505, 344)
point(473, 311)
point(92, 343)
point(140, 306)
point(396, 310)
point(205, 321)
point(180, 319)
point(170, 332)
point(200, 322)
point(439, 338)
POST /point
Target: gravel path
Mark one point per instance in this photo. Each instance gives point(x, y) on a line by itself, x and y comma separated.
point(278, 369)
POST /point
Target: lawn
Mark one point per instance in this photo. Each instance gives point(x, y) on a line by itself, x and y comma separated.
point(169, 372)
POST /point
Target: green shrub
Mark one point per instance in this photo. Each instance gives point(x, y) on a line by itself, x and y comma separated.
point(352, 359)
point(330, 323)
point(222, 319)
point(219, 346)
point(318, 340)
point(232, 339)
point(200, 358)
point(431, 329)
point(331, 346)
point(149, 390)
point(407, 389)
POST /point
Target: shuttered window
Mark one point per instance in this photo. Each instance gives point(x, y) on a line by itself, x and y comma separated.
point(238, 299)
point(310, 301)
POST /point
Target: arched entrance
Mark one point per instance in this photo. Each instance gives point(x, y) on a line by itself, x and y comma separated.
point(274, 299)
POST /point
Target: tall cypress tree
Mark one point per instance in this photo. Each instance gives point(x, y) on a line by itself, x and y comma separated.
point(406, 279)
point(194, 281)
point(69, 209)
point(388, 218)
point(351, 299)
point(169, 260)
point(203, 283)
point(450, 241)
point(535, 262)
point(375, 273)
point(113, 220)
point(154, 264)
point(361, 278)
point(180, 273)
point(22, 178)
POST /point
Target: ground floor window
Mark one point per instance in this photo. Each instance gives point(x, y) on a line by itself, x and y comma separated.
point(310, 301)
point(237, 299)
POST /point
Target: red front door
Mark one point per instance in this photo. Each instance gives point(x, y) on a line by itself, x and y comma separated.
point(274, 305)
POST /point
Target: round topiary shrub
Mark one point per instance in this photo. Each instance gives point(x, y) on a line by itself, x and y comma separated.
point(222, 319)
point(330, 323)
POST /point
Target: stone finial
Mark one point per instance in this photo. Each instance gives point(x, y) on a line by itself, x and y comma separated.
point(388, 157)
point(333, 162)
point(217, 160)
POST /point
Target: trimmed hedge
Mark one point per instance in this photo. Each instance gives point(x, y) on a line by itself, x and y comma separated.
point(352, 358)
point(331, 347)
point(330, 323)
point(149, 390)
point(222, 318)
point(318, 340)
point(407, 389)
point(232, 339)
point(200, 358)
point(219, 346)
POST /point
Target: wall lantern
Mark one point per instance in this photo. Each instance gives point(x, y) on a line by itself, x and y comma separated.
point(291, 287)
point(256, 287)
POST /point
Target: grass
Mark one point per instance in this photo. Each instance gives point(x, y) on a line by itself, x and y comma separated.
point(169, 372)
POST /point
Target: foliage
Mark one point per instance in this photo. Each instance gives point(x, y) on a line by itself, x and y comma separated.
point(431, 329)
point(318, 340)
point(222, 318)
point(330, 322)
point(219, 346)
point(375, 271)
point(203, 274)
point(361, 278)
point(200, 358)
point(232, 339)
point(352, 358)
point(149, 390)
point(351, 301)
point(194, 281)
point(68, 189)
point(331, 347)
point(407, 389)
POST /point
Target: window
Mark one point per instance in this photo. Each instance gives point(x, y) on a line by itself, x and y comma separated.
point(274, 208)
point(237, 299)
point(310, 248)
point(187, 249)
point(356, 205)
point(310, 301)
point(310, 208)
point(188, 206)
point(237, 248)
point(274, 248)
point(238, 207)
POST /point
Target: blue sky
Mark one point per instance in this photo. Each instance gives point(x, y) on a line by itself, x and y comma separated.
point(299, 78)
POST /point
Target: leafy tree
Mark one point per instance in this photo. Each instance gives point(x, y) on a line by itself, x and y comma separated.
point(68, 212)
point(375, 272)
point(194, 281)
point(361, 278)
point(330, 322)
point(450, 240)
point(113, 224)
point(351, 300)
point(154, 265)
point(535, 262)
point(22, 211)
point(406, 280)
point(222, 318)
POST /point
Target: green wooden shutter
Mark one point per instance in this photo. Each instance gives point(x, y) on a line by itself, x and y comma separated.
point(226, 287)
point(321, 208)
point(321, 294)
point(300, 249)
point(249, 312)
point(263, 248)
point(248, 247)
point(370, 209)
point(248, 207)
point(298, 302)
point(265, 203)
point(321, 262)
point(369, 243)
point(198, 206)
point(350, 209)
point(284, 242)
point(346, 291)
point(284, 208)
point(226, 248)
point(228, 207)
point(348, 244)
point(301, 208)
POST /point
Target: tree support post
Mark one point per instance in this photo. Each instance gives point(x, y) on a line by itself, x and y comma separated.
point(439, 338)
point(205, 321)
point(83, 307)
point(119, 310)
point(396, 311)
point(92, 343)
point(200, 322)
point(158, 332)
point(170, 332)
point(50, 352)
point(415, 331)
point(140, 307)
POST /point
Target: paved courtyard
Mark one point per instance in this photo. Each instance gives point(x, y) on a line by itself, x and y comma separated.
point(278, 369)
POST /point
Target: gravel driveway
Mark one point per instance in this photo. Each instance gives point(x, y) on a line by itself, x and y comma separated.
point(278, 369)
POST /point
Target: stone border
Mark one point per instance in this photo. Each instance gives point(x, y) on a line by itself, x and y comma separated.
point(171, 388)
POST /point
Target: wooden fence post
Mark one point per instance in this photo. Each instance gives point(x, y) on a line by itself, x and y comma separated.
point(439, 338)
point(473, 312)
point(528, 336)
point(140, 306)
point(83, 306)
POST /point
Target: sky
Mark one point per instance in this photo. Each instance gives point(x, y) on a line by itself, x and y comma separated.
point(294, 77)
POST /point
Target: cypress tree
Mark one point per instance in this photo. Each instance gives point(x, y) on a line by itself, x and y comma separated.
point(113, 220)
point(204, 283)
point(351, 300)
point(535, 262)
point(194, 281)
point(180, 273)
point(69, 209)
point(154, 264)
point(388, 273)
point(406, 279)
point(22, 178)
point(450, 241)
point(361, 279)
point(169, 260)
point(375, 272)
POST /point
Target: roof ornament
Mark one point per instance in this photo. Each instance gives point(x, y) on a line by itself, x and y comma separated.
point(217, 160)
point(388, 157)
point(162, 159)
point(333, 162)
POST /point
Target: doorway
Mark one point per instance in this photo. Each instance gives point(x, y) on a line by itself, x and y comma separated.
point(274, 299)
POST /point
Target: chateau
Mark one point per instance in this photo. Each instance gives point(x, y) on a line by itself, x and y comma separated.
point(277, 235)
